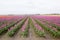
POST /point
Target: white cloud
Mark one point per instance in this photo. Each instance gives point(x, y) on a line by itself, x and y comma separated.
point(29, 6)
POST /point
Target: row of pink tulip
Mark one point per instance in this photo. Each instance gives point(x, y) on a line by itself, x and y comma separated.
point(55, 19)
point(53, 28)
point(24, 26)
point(50, 19)
point(10, 21)
point(15, 22)
point(42, 21)
point(37, 26)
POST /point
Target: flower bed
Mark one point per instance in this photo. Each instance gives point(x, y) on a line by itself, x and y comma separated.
point(53, 32)
point(38, 29)
point(7, 27)
point(25, 29)
point(13, 31)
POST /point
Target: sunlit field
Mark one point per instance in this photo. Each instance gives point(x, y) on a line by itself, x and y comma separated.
point(30, 27)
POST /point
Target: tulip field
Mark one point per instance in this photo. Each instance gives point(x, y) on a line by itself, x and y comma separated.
point(29, 27)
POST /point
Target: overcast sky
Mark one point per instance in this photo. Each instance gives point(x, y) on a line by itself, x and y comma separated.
point(29, 6)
